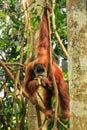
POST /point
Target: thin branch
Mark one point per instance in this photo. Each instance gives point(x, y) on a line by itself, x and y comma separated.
point(19, 64)
point(38, 115)
point(53, 78)
point(13, 79)
point(24, 104)
point(29, 31)
point(3, 83)
point(14, 103)
point(26, 8)
point(21, 60)
point(6, 91)
point(55, 31)
point(41, 127)
point(40, 97)
point(17, 81)
point(7, 70)
point(62, 124)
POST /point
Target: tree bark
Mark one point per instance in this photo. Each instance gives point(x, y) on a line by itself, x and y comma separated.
point(32, 117)
point(77, 47)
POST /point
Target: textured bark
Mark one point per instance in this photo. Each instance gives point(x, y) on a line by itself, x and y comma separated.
point(32, 117)
point(77, 47)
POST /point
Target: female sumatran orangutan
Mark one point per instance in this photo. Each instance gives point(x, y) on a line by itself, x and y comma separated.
point(40, 66)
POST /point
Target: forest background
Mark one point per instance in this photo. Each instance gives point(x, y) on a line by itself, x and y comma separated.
point(19, 30)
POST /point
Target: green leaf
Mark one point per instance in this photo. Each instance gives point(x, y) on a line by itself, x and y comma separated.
point(18, 48)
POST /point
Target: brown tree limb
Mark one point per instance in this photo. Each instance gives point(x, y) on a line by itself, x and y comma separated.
point(17, 82)
point(21, 60)
point(24, 103)
point(6, 91)
point(62, 124)
point(3, 83)
point(13, 78)
point(7, 70)
point(19, 64)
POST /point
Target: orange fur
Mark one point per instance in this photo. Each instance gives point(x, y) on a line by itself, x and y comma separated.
point(43, 58)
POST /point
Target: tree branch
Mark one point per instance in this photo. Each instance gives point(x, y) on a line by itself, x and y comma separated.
point(19, 64)
point(53, 78)
point(7, 70)
point(55, 31)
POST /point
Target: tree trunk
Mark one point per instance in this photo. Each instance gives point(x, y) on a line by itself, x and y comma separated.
point(32, 117)
point(77, 47)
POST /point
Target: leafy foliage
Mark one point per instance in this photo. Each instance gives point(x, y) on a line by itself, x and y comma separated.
point(60, 15)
